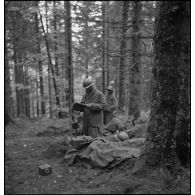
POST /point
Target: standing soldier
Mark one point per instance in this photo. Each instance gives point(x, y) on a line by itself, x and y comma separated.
point(111, 105)
point(93, 112)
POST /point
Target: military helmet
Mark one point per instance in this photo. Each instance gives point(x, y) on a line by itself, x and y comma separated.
point(110, 88)
point(87, 82)
point(123, 136)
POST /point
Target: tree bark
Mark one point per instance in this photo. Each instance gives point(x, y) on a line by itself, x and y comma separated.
point(50, 63)
point(37, 91)
point(122, 71)
point(183, 120)
point(49, 69)
point(18, 78)
point(57, 73)
point(134, 77)
point(8, 101)
point(16, 70)
point(107, 44)
point(39, 61)
point(69, 53)
point(26, 93)
point(66, 57)
point(104, 47)
point(86, 45)
point(168, 47)
point(32, 98)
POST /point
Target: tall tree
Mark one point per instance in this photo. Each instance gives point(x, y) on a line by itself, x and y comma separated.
point(183, 128)
point(26, 92)
point(50, 62)
point(134, 77)
point(57, 71)
point(8, 101)
point(105, 49)
point(104, 46)
point(69, 55)
point(37, 91)
point(107, 43)
point(39, 60)
point(18, 69)
point(170, 47)
point(49, 68)
point(122, 71)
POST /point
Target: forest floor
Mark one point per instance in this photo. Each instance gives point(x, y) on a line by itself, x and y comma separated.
point(26, 143)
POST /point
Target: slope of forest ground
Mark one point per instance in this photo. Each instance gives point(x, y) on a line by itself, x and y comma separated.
point(26, 143)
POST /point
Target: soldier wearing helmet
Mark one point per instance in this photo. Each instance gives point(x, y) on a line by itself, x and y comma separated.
point(111, 105)
point(93, 112)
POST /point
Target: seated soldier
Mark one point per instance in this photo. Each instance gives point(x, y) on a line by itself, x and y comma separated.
point(114, 126)
point(116, 131)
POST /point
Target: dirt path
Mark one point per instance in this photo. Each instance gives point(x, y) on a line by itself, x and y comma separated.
point(23, 154)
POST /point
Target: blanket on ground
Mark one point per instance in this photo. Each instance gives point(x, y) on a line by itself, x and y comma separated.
point(102, 153)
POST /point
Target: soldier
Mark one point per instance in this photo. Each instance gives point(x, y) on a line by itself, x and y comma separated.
point(111, 105)
point(93, 112)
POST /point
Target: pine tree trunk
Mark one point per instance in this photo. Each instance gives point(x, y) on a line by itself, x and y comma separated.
point(20, 81)
point(49, 69)
point(8, 101)
point(107, 44)
point(39, 62)
point(69, 52)
point(37, 91)
point(63, 69)
point(86, 46)
point(134, 77)
point(123, 70)
point(50, 63)
point(104, 47)
point(32, 98)
point(160, 142)
point(26, 93)
point(57, 73)
point(183, 120)
point(16, 70)
point(66, 55)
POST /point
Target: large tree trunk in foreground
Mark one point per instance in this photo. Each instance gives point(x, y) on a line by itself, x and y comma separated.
point(183, 113)
point(160, 142)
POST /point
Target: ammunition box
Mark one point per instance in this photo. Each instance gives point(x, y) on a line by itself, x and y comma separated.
point(45, 169)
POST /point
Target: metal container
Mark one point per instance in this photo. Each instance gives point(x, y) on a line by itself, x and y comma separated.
point(45, 169)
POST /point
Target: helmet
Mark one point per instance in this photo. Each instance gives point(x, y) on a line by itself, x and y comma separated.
point(123, 136)
point(87, 82)
point(110, 88)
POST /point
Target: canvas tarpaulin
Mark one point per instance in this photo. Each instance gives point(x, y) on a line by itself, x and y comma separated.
point(100, 152)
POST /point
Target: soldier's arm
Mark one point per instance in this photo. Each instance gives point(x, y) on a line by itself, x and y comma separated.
point(83, 99)
point(100, 103)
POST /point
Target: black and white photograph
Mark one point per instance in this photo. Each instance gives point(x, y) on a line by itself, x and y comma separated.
point(97, 97)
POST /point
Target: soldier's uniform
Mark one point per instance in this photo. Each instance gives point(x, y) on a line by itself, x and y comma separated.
point(111, 106)
point(93, 115)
